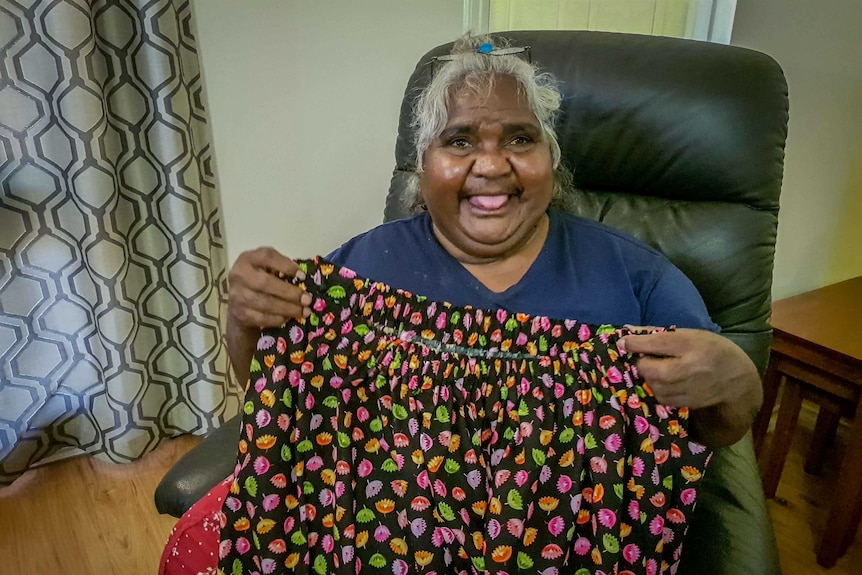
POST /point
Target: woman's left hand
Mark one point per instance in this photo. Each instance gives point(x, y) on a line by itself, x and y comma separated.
point(705, 372)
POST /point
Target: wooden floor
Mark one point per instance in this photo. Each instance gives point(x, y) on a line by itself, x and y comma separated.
point(85, 517)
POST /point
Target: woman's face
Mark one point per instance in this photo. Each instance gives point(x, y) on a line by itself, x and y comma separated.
point(488, 178)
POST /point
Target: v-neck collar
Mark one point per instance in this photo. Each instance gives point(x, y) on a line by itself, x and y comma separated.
point(500, 298)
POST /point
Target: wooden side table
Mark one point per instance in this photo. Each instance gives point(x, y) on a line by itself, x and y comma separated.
point(817, 354)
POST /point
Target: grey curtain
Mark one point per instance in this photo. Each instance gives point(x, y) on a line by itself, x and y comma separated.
point(112, 266)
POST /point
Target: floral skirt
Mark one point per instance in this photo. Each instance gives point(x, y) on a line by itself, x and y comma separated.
point(392, 434)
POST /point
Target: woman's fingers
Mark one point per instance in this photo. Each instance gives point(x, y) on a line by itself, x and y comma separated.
point(259, 296)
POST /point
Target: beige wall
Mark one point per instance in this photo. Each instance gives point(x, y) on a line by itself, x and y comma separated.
point(819, 45)
point(304, 97)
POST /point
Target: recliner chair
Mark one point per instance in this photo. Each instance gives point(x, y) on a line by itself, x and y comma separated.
point(680, 143)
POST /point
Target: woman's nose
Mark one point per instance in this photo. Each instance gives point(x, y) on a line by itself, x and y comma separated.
point(490, 163)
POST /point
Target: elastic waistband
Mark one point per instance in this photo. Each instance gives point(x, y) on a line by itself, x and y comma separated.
point(440, 325)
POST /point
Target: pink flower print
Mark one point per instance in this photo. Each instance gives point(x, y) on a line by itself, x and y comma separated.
point(515, 527)
point(293, 378)
point(441, 321)
point(261, 465)
point(281, 345)
point(583, 332)
point(346, 327)
point(364, 468)
point(582, 546)
point(613, 442)
point(362, 414)
point(675, 516)
point(559, 390)
point(656, 526)
point(270, 502)
point(347, 555)
point(521, 477)
point(233, 504)
point(631, 552)
point(267, 566)
point(599, 465)
point(328, 543)
point(688, 496)
point(651, 567)
point(576, 502)
point(564, 484)
point(242, 546)
point(634, 510)
point(418, 527)
point(545, 474)
point(614, 375)
point(381, 534)
point(224, 548)
point(260, 384)
point(278, 373)
point(556, 525)
point(262, 418)
point(521, 339)
point(474, 478)
point(265, 342)
point(400, 567)
point(501, 315)
point(423, 481)
point(607, 518)
point(493, 529)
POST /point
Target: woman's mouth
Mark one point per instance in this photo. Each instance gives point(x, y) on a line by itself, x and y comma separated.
point(489, 203)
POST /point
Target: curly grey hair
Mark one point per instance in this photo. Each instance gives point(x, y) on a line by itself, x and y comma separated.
point(469, 69)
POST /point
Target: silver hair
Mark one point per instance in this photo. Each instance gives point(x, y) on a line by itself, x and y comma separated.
point(469, 69)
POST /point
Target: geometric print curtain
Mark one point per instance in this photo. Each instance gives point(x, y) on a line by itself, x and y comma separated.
point(112, 259)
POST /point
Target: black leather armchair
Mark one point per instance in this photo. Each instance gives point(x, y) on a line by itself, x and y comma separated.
point(680, 143)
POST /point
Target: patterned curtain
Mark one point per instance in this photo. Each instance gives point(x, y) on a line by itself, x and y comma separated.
point(112, 266)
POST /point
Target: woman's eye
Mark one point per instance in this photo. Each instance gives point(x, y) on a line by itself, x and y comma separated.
point(521, 140)
point(459, 143)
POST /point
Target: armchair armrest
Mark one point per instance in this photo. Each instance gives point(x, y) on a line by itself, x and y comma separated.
point(199, 470)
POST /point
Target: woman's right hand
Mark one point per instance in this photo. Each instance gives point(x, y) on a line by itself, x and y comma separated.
point(260, 296)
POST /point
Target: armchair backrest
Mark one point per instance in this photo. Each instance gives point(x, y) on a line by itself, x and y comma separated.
point(680, 143)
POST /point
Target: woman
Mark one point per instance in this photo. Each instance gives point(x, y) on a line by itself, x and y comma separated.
point(489, 170)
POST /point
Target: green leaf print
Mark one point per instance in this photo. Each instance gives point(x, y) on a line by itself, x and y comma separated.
point(618, 490)
point(570, 380)
point(365, 515)
point(455, 317)
point(605, 329)
point(590, 441)
point(248, 408)
point(640, 392)
point(478, 563)
point(396, 361)
point(320, 566)
point(668, 482)
point(445, 511)
point(504, 392)
point(372, 361)
point(330, 401)
point(251, 486)
point(287, 398)
point(304, 445)
point(513, 500)
point(643, 517)
point(524, 561)
point(286, 453)
point(442, 414)
point(236, 568)
point(297, 538)
point(255, 365)
point(307, 487)
point(570, 534)
point(326, 364)
point(583, 571)
point(539, 457)
point(476, 439)
point(612, 545)
point(361, 329)
point(376, 425)
point(509, 433)
point(483, 341)
point(377, 560)
point(313, 320)
point(452, 466)
point(255, 540)
point(543, 344)
point(343, 439)
point(336, 292)
point(597, 396)
point(511, 324)
point(523, 409)
point(336, 534)
point(399, 411)
point(566, 435)
point(389, 466)
point(303, 266)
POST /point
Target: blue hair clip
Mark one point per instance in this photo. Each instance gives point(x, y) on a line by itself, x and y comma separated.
point(486, 48)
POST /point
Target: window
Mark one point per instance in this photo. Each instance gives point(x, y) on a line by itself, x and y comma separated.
point(710, 20)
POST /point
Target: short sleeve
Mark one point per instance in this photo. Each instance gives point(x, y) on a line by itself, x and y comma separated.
point(674, 301)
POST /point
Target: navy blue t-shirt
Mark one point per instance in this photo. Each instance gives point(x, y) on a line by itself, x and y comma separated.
point(586, 271)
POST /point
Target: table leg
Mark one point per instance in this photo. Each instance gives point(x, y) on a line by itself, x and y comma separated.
point(788, 412)
point(771, 384)
point(847, 499)
point(824, 435)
